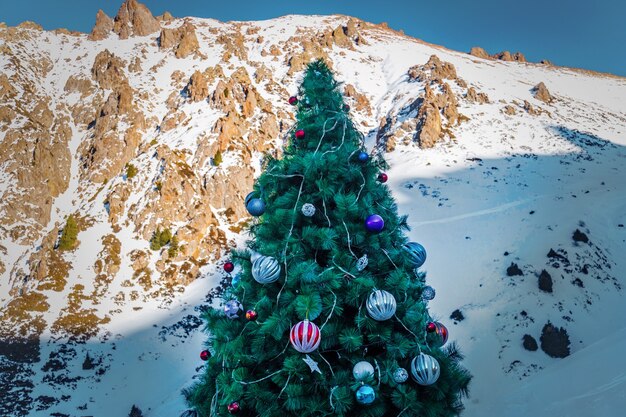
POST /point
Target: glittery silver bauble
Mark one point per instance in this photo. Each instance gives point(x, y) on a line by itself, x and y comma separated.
point(232, 309)
point(381, 305)
point(400, 375)
point(425, 369)
point(265, 269)
point(365, 395)
point(428, 293)
point(416, 254)
point(361, 264)
point(308, 209)
point(362, 370)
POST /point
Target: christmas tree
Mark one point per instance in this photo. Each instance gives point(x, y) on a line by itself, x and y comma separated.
point(327, 312)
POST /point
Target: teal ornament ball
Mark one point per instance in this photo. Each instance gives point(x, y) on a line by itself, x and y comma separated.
point(256, 207)
point(365, 395)
point(236, 280)
point(416, 254)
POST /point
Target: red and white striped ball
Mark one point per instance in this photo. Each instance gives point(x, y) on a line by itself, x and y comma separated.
point(305, 336)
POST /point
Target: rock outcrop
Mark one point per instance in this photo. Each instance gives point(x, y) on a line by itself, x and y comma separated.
point(541, 93)
point(103, 27)
point(134, 19)
point(479, 52)
point(182, 40)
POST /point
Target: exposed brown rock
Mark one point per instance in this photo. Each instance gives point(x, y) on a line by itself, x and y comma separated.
point(474, 97)
point(165, 17)
point(434, 70)
point(509, 110)
point(479, 52)
point(428, 126)
point(102, 28)
point(198, 88)
point(135, 65)
point(361, 101)
point(183, 40)
point(27, 24)
point(134, 19)
point(541, 93)
point(108, 70)
point(507, 56)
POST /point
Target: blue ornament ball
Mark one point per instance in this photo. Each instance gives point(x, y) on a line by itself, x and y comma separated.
point(249, 197)
point(236, 280)
point(256, 207)
point(374, 223)
point(416, 254)
point(365, 395)
point(363, 156)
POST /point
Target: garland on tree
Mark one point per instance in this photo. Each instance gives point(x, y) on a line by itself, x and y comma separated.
point(336, 314)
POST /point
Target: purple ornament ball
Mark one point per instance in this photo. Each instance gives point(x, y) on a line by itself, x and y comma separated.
point(374, 223)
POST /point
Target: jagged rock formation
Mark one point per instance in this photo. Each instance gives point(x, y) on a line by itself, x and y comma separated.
point(102, 28)
point(134, 19)
point(182, 40)
point(439, 103)
point(479, 52)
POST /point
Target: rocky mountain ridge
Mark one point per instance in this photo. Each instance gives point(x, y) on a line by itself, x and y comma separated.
point(151, 124)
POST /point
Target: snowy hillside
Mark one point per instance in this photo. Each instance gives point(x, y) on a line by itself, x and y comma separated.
point(493, 171)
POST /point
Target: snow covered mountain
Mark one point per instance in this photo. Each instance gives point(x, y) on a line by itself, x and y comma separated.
point(511, 173)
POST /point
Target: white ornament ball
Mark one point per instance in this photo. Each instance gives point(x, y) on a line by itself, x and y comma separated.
point(381, 305)
point(425, 369)
point(363, 370)
point(265, 269)
point(308, 209)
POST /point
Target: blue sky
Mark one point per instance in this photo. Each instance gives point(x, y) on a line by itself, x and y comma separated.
point(587, 34)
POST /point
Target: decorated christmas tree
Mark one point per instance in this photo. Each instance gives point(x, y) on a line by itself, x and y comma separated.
point(327, 310)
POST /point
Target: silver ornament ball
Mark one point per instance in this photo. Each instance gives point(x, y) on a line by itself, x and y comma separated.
point(400, 375)
point(308, 209)
point(425, 369)
point(232, 309)
point(428, 293)
point(361, 263)
point(265, 269)
point(363, 370)
point(381, 305)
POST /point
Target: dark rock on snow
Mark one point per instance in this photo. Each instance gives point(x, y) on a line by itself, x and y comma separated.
point(457, 315)
point(513, 270)
point(529, 343)
point(545, 281)
point(580, 237)
point(555, 341)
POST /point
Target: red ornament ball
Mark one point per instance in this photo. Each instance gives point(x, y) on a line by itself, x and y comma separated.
point(251, 315)
point(293, 100)
point(431, 327)
point(229, 267)
point(299, 134)
point(205, 355)
point(305, 336)
point(382, 177)
point(233, 408)
point(346, 107)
